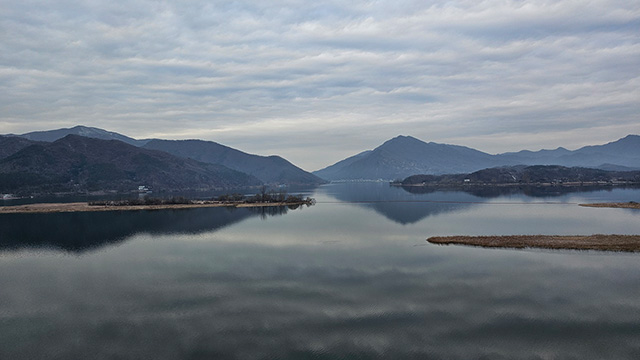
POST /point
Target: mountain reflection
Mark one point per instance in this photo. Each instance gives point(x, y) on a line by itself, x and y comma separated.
point(85, 231)
point(411, 204)
point(398, 205)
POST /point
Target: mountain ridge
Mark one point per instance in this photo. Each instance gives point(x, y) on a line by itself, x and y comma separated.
point(81, 130)
point(77, 164)
point(269, 169)
point(396, 158)
point(403, 156)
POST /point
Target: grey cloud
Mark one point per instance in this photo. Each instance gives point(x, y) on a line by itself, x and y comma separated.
point(435, 70)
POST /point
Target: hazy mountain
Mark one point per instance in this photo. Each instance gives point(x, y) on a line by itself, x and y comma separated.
point(76, 163)
point(404, 156)
point(541, 157)
point(91, 132)
point(269, 169)
point(613, 167)
point(624, 152)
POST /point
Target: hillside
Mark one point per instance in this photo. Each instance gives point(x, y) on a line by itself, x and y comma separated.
point(333, 172)
point(269, 169)
point(75, 164)
point(10, 145)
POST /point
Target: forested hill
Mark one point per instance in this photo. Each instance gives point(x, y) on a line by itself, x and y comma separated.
point(75, 163)
point(537, 174)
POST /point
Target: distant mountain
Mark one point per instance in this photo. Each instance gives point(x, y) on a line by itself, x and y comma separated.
point(76, 163)
point(91, 132)
point(541, 157)
point(613, 167)
point(269, 169)
point(624, 152)
point(404, 156)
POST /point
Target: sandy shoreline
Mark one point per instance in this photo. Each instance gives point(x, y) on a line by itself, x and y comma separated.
point(85, 207)
point(624, 243)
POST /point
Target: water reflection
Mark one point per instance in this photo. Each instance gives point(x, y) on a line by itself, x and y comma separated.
point(412, 204)
point(83, 231)
point(524, 190)
point(329, 282)
point(398, 205)
point(178, 297)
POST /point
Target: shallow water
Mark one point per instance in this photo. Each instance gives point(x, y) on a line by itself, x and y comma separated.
point(351, 277)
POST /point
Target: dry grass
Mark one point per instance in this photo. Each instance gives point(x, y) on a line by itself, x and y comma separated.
point(627, 205)
point(625, 243)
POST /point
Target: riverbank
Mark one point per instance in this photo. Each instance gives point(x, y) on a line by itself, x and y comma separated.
point(625, 205)
point(623, 243)
point(86, 207)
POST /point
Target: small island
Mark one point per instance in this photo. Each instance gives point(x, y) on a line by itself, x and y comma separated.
point(235, 200)
point(620, 243)
point(526, 175)
point(617, 205)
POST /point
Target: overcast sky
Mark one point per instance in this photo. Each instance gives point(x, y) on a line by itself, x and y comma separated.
point(317, 81)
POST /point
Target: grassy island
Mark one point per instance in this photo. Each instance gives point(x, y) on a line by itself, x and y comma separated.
point(624, 243)
point(623, 205)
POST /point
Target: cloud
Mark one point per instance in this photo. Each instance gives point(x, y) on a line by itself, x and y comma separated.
point(244, 73)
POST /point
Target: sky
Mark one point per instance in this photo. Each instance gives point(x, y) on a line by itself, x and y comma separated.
point(318, 81)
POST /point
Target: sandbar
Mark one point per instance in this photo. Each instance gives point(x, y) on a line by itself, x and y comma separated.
point(623, 243)
point(619, 205)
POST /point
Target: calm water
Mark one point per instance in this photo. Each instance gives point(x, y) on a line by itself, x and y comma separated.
point(349, 278)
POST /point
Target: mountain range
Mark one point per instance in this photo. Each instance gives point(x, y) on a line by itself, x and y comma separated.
point(82, 158)
point(404, 156)
point(218, 166)
point(77, 163)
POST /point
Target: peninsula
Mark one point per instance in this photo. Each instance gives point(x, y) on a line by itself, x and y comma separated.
point(154, 204)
